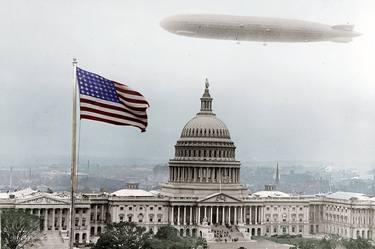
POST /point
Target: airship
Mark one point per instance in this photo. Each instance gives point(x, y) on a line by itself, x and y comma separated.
point(251, 28)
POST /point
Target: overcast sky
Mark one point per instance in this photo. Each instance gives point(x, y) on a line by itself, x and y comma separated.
point(313, 101)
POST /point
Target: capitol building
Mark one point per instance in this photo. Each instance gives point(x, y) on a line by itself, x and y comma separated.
point(203, 197)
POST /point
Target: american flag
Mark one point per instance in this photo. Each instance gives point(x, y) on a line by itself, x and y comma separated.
point(109, 101)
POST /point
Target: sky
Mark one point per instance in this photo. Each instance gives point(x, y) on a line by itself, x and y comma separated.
point(291, 101)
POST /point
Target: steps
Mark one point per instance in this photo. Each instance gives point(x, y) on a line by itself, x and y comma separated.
point(52, 240)
point(226, 233)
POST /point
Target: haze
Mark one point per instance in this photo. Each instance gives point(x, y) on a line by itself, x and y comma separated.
point(311, 101)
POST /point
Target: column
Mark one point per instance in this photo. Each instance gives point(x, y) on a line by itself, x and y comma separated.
point(171, 219)
point(201, 174)
point(184, 215)
point(250, 208)
point(241, 214)
point(205, 212)
point(178, 215)
point(212, 174)
point(191, 216)
point(68, 219)
point(235, 215)
point(53, 219)
point(223, 221)
point(103, 213)
point(229, 214)
point(207, 174)
point(195, 174)
point(199, 215)
point(256, 214)
point(212, 209)
point(217, 215)
point(45, 219)
point(60, 218)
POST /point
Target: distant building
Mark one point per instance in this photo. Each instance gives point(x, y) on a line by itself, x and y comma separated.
point(203, 197)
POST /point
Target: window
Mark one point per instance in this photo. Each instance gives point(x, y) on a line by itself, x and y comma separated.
point(121, 218)
point(130, 208)
point(76, 223)
point(121, 208)
point(159, 220)
point(159, 208)
point(151, 220)
point(151, 208)
point(83, 222)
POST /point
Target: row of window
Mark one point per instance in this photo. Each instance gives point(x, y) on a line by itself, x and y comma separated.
point(284, 208)
point(130, 208)
point(140, 218)
point(205, 153)
point(284, 229)
point(198, 132)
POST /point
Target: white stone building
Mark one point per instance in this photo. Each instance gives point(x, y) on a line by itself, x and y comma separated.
point(203, 197)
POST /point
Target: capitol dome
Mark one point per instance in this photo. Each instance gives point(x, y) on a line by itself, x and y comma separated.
point(204, 162)
point(205, 124)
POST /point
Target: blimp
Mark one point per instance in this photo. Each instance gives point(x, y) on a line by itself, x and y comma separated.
point(251, 28)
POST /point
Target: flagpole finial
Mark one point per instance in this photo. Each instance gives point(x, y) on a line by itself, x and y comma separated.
point(75, 61)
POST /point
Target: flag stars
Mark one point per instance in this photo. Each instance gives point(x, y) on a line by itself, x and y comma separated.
point(96, 86)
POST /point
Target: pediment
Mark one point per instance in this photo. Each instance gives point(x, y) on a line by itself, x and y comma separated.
point(219, 197)
point(43, 200)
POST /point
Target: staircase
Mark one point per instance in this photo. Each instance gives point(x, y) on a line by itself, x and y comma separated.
point(52, 240)
point(226, 233)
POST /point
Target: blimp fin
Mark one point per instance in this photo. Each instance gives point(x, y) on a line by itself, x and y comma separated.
point(342, 39)
point(344, 27)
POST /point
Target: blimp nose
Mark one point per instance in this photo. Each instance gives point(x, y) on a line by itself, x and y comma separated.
point(168, 24)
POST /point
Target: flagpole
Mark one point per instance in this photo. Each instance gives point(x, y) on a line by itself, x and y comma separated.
point(73, 172)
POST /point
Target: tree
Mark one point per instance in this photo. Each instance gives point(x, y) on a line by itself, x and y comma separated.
point(306, 245)
point(124, 235)
point(167, 238)
point(358, 244)
point(167, 232)
point(19, 229)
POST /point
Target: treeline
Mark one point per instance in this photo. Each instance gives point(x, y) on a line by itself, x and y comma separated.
point(128, 235)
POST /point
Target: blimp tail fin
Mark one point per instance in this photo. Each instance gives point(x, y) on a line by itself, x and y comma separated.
point(344, 27)
point(342, 39)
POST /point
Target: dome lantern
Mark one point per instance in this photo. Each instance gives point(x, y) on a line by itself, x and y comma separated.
point(206, 101)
